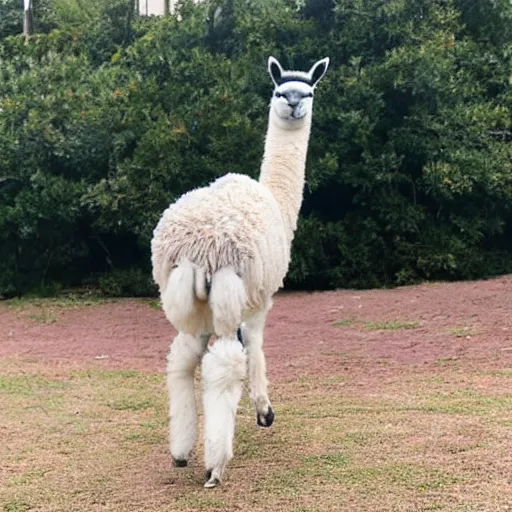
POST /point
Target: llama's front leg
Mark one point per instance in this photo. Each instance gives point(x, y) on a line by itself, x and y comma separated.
point(252, 337)
point(223, 371)
point(185, 353)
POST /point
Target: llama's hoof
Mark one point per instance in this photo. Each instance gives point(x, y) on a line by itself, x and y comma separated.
point(179, 463)
point(210, 481)
point(265, 420)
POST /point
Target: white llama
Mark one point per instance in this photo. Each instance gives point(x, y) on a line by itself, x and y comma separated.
point(219, 254)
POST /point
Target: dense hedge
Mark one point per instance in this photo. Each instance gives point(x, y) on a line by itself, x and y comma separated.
point(104, 122)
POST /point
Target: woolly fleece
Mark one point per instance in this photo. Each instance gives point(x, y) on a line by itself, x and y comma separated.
point(235, 222)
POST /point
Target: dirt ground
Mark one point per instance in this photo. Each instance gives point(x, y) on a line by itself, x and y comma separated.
point(418, 325)
point(391, 400)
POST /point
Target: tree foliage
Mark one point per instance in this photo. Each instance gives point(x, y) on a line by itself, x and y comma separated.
point(105, 119)
point(11, 18)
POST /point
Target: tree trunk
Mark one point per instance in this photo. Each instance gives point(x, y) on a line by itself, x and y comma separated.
point(132, 9)
point(28, 20)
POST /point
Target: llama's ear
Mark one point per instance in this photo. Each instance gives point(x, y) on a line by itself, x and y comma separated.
point(318, 70)
point(275, 70)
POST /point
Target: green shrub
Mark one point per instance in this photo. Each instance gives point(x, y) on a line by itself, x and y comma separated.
point(106, 119)
point(132, 282)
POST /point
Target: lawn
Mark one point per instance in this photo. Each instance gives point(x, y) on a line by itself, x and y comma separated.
point(96, 439)
point(388, 412)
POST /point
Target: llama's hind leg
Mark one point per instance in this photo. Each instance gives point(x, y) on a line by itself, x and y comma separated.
point(223, 372)
point(252, 337)
point(186, 351)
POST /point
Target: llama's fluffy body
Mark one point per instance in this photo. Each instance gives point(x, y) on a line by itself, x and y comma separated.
point(235, 222)
point(219, 254)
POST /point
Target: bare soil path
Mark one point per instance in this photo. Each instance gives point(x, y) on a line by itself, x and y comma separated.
point(418, 325)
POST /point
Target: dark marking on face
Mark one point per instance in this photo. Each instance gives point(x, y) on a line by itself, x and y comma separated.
point(292, 77)
point(293, 93)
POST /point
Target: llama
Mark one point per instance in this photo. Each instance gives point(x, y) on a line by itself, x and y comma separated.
point(219, 254)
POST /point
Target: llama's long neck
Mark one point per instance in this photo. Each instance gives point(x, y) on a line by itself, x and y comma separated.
point(283, 168)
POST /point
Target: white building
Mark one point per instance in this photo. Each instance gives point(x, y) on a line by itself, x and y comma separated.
point(156, 7)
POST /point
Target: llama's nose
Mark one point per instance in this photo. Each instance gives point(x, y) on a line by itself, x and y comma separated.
point(293, 99)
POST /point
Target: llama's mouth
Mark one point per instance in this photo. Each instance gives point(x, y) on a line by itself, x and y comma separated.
point(297, 115)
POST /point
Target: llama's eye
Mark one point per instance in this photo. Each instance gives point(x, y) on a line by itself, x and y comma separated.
point(279, 95)
point(310, 95)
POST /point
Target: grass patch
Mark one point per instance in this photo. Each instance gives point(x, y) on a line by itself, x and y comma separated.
point(16, 506)
point(43, 317)
point(343, 323)
point(391, 326)
point(461, 332)
point(132, 437)
point(447, 361)
point(507, 373)
point(351, 447)
point(46, 311)
point(114, 375)
point(467, 402)
point(153, 303)
point(200, 500)
point(28, 385)
point(328, 460)
point(62, 302)
point(379, 326)
point(131, 404)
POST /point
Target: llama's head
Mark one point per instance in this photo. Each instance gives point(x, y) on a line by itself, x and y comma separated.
point(292, 101)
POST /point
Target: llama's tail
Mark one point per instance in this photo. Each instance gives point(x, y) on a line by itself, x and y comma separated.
point(188, 297)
